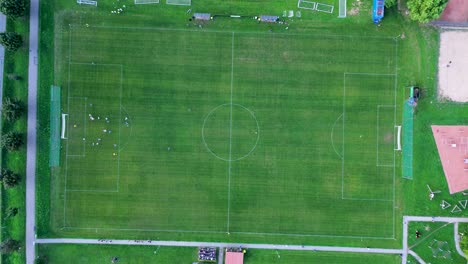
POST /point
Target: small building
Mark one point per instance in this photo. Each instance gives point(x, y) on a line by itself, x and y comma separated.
point(202, 16)
point(269, 19)
point(234, 257)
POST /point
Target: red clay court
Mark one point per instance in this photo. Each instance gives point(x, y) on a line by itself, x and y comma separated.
point(452, 144)
point(455, 11)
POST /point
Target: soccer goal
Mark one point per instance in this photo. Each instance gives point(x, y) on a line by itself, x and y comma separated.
point(86, 2)
point(179, 2)
point(144, 2)
point(342, 9)
point(324, 8)
point(398, 137)
point(306, 4)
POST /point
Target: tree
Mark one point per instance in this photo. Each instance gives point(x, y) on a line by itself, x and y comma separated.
point(13, 8)
point(42, 260)
point(9, 246)
point(12, 109)
point(11, 41)
point(9, 178)
point(12, 141)
point(426, 10)
point(11, 212)
point(13, 77)
point(390, 3)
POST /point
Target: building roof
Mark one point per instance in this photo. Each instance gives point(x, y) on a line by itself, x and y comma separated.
point(269, 18)
point(234, 258)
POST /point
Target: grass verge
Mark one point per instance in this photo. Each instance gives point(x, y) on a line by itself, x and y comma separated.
point(16, 63)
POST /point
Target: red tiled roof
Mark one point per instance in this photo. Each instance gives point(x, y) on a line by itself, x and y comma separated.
point(234, 258)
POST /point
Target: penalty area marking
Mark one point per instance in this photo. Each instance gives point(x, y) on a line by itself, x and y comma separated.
point(331, 136)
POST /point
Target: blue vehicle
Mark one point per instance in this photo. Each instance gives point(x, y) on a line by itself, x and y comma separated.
point(378, 12)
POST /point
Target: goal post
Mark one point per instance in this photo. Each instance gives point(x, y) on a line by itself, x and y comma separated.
point(398, 138)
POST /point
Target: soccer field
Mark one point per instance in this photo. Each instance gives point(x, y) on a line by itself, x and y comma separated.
point(227, 132)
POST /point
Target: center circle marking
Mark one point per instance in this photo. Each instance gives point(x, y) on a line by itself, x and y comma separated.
point(206, 139)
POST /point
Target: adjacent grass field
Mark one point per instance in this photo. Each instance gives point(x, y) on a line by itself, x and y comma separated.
point(98, 254)
point(442, 232)
point(298, 257)
point(217, 132)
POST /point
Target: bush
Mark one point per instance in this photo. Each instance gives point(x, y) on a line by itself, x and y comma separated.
point(12, 109)
point(426, 10)
point(11, 41)
point(13, 8)
point(390, 3)
point(12, 141)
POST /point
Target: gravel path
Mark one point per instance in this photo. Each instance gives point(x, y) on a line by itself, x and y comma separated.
point(31, 134)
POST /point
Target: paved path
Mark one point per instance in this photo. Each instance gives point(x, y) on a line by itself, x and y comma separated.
point(457, 240)
point(407, 219)
point(221, 256)
point(417, 257)
point(215, 244)
point(31, 134)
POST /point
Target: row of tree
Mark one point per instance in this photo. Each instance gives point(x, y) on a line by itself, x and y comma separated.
point(12, 9)
point(12, 109)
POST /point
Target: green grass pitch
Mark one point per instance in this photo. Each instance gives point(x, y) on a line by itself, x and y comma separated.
point(227, 132)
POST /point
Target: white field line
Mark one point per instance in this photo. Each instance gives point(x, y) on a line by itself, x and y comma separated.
point(96, 64)
point(84, 124)
point(343, 135)
point(223, 232)
point(370, 74)
point(205, 31)
point(367, 199)
point(394, 123)
point(92, 190)
point(119, 123)
point(66, 151)
point(144, 230)
point(230, 136)
point(331, 136)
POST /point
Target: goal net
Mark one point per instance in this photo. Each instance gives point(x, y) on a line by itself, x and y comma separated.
point(54, 155)
point(179, 2)
point(342, 9)
point(86, 2)
point(143, 2)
